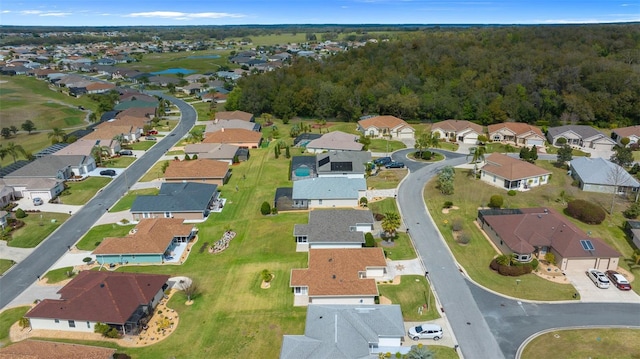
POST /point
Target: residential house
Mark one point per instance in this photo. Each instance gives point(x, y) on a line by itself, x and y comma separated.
point(333, 228)
point(303, 167)
point(600, 175)
point(117, 299)
point(458, 131)
point(150, 242)
point(534, 232)
point(40, 349)
point(385, 127)
point(304, 138)
point(198, 170)
point(6, 194)
point(217, 125)
point(335, 141)
point(631, 132)
point(512, 174)
point(328, 192)
point(135, 104)
point(339, 276)
point(146, 112)
point(517, 133)
point(350, 164)
point(4, 219)
point(240, 137)
point(187, 200)
point(235, 115)
point(81, 147)
point(282, 200)
point(347, 331)
point(217, 151)
point(633, 228)
point(581, 136)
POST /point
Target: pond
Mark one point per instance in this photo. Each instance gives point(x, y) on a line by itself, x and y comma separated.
point(204, 57)
point(174, 71)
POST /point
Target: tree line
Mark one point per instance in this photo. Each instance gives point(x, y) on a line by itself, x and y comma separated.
point(547, 75)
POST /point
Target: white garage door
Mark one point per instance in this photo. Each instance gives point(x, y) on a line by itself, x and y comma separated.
point(580, 264)
point(601, 147)
point(604, 264)
point(537, 143)
point(46, 196)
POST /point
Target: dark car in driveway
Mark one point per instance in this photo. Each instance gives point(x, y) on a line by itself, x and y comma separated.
point(618, 280)
point(126, 153)
point(108, 173)
point(382, 161)
point(394, 165)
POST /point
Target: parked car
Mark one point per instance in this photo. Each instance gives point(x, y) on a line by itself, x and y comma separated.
point(126, 153)
point(152, 132)
point(382, 161)
point(150, 138)
point(598, 278)
point(394, 165)
point(37, 201)
point(108, 173)
point(618, 280)
point(426, 331)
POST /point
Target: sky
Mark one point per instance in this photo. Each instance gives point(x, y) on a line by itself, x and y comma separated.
point(267, 12)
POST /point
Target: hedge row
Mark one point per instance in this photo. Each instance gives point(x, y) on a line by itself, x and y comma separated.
point(586, 212)
point(514, 270)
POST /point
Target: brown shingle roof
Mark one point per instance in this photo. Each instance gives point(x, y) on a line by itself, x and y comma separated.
point(107, 131)
point(518, 128)
point(511, 168)
point(151, 236)
point(38, 349)
point(234, 115)
point(106, 297)
point(137, 112)
point(233, 135)
point(456, 125)
point(99, 86)
point(336, 271)
point(200, 168)
point(383, 122)
point(628, 131)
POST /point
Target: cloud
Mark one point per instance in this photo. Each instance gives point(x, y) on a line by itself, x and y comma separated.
point(55, 14)
point(31, 12)
point(5, 11)
point(176, 15)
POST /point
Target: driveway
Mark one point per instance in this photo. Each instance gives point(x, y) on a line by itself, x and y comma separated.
point(27, 204)
point(590, 293)
point(447, 339)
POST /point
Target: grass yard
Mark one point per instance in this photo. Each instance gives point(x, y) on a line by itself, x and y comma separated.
point(38, 227)
point(175, 153)
point(585, 343)
point(383, 206)
point(500, 147)
point(402, 248)
point(79, 193)
point(449, 146)
point(386, 179)
point(96, 234)
point(7, 318)
point(412, 293)
point(552, 150)
point(379, 145)
point(58, 275)
point(441, 352)
point(155, 172)
point(5, 265)
point(125, 202)
point(203, 109)
point(189, 60)
point(476, 255)
point(119, 162)
point(141, 146)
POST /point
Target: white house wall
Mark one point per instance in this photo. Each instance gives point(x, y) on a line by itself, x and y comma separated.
point(333, 203)
point(375, 272)
point(50, 324)
point(334, 245)
point(342, 175)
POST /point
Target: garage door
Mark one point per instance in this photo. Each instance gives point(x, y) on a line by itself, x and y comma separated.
point(604, 264)
point(602, 147)
point(580, 264)
point(537, 143)
point(46, 196)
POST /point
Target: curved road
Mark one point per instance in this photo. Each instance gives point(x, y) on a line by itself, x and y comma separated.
point(486, 325)
point(22, 275)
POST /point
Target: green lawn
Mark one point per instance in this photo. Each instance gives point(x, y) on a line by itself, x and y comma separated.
point(38, 227)
point(154, 172)
point(476, 255)
point(125, 202)
point(7, 318)
point(387, 146)
point(585, 343)
point(203, 110)
point(79, 193)
point(162, 61)
point(500, 147)
point(386, 179)
point(401, 249)
point(384, 206)
point(412, 293)
point(5, 265)
point(119, 162)
point(175, 153)
point(449, 146)
point(552, 150)
point(97, 233)
point(58, 275)
point(141, 146)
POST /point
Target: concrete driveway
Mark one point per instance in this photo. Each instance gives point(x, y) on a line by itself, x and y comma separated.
point(590, 293)
point(448, 340)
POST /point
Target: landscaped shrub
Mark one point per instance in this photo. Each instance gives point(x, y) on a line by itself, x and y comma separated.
point(550, 258)
point(515, 269)
point(368, 240)
point(274, 210)
point(447, 204)
point(456, 224)
point(586, 212)
point(378, 216)
point(534, 264)
point(364, 201)
point(512, 192)
point(426, 155)
point(464, 238)
point(86, 259)
point(265, 209)
point(633, 211)
point(496, 201)
point(266, 275)
point(20, 213)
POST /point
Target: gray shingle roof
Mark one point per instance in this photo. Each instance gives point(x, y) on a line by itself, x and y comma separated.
point(334, 225)
point(47, 166)
point(582, 130)
point(177, 197)
point(599, 171)
point(328, 188)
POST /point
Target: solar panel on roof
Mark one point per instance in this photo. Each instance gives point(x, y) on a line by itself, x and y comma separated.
point(324, 161)
point(587, 245)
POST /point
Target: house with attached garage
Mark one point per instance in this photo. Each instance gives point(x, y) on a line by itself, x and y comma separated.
point(217, 125)
point(458, 131)
point(235, 115)
point(334, 141)
point(631, 132)
point(328, 192)
point(633, 228)
point(217, 151)
point(187, 200)
point(120, 300)
point(150, 242)
point(199, 170)
point(512, 174)
point(339, 276)
point(347, 331)
point(581, 136)
point(350, 164)
point(534, 232)
point(385, 126)
point(600, 175)
point(333, 228)
point(517, 133)
point(240, 137)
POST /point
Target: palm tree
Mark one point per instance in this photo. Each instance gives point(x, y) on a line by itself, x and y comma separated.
point(478, 156)
point(390, 223)
point(56, 135)
point(99, 153)
point(419, 352)
point(14, 150)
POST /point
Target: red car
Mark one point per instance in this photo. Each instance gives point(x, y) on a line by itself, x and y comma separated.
point(618, 280)
point(152, 132)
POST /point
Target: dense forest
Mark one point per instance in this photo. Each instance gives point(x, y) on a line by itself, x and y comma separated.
point(548, 75)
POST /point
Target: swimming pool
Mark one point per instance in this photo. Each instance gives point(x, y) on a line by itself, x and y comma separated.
point(174, 71)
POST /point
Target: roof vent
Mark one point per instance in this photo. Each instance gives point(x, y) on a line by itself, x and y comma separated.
point(330, 259)
point(539, 215)
point(333, 276)
point(101, 285)
point(546, 210)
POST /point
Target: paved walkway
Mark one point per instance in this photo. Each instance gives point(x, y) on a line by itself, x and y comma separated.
point(402, 267)
point(15, 254)
point(380, 193)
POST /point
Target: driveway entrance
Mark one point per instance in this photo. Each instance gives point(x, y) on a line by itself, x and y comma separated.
point(590, 293)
